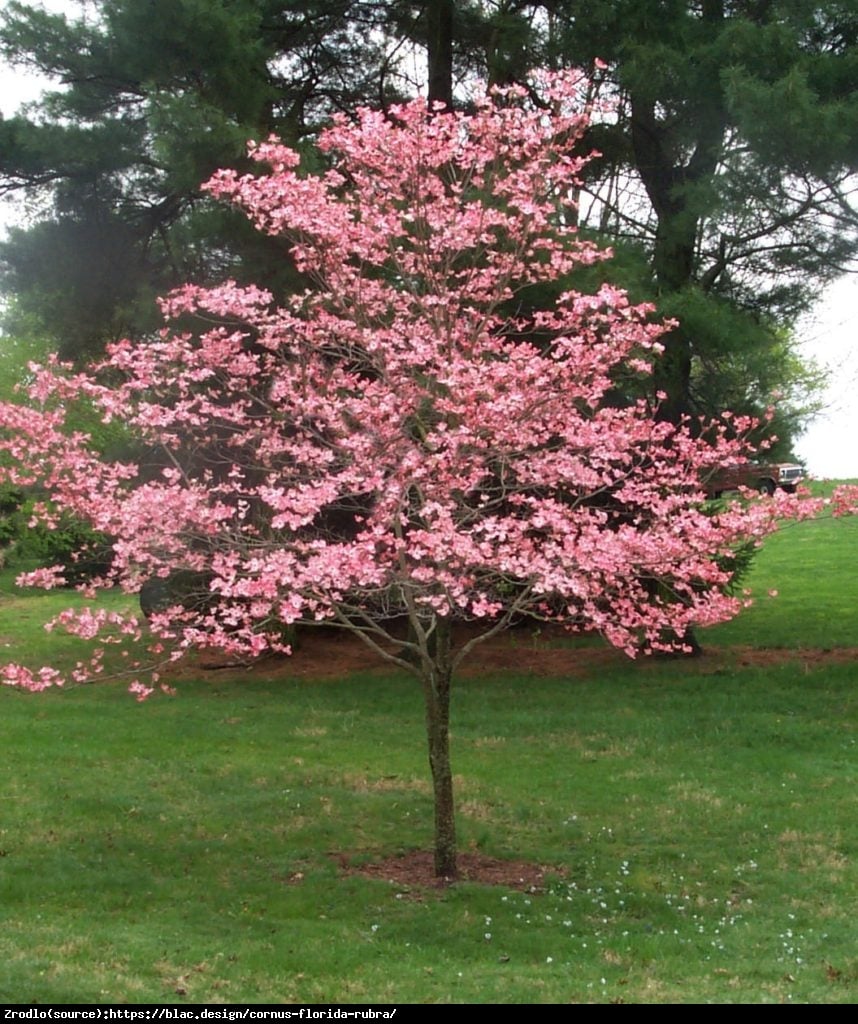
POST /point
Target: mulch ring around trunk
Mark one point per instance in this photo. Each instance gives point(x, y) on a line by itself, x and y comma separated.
point(417, 869)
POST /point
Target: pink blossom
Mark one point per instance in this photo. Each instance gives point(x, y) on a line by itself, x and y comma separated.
point(139, 690)
point(47, 578)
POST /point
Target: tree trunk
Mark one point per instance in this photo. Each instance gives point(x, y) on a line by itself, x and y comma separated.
point(439, 43)
point(436, 690)
point(671, 169)
point(673, 253)
point(672, 377)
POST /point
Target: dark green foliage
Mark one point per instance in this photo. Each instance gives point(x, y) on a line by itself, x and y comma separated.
point(745, 362)
point(156, 97)
point(182, 587)
point(736, 129)
point(82, 552)
point(94, 288)
point(11, 500)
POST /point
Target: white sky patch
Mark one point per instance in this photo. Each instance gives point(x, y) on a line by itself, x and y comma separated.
point(830, 444)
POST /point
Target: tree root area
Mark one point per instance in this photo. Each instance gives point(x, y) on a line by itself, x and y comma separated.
point(547, 652)
point(417, 869)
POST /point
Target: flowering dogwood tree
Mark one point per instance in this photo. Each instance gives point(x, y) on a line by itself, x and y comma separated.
point(401, 444)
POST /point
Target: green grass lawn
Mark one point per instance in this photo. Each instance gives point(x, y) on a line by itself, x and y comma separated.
point(699, 818)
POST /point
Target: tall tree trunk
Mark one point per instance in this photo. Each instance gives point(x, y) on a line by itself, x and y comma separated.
point(436, 690)
point(439, 45)
point(673, 253)
point(670, 174)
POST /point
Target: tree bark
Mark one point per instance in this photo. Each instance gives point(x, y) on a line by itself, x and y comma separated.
point(439, 44)
point(436, 689)
point(669, 176)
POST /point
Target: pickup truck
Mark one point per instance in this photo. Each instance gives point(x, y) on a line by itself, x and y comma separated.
point(762, 477)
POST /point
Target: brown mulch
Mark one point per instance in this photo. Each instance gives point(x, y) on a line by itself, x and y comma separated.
point(323, 654)
point(549, 652)
point(417, 869)
point(810, 657)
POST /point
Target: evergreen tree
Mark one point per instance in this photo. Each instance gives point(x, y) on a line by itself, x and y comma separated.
point(731, 155)
point(151, 97)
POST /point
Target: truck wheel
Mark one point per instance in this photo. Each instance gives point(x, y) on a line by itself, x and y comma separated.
point(766, 487)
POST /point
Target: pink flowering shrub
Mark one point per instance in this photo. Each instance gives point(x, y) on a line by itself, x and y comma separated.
point(397, 443)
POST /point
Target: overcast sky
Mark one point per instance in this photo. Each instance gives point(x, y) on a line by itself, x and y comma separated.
point(830, 335)
point(830, 445)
